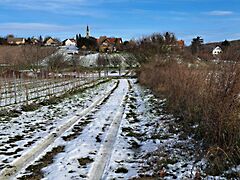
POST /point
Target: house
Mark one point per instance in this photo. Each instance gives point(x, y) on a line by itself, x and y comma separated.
point(181, 44)
point(69, 42)
point(32, 41)
point(217, 50)
point(16, 41)
point(35, 41)
point(109, 44)
point(51, 42)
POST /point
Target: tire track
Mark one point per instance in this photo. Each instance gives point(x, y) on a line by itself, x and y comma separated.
point(32, 154)
point(104, 154)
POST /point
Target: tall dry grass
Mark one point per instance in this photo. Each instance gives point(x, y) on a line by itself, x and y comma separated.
point(204, 97)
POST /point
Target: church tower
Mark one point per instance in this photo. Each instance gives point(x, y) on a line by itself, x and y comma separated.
point(87, 32)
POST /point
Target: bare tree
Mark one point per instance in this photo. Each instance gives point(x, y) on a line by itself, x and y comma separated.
point(33, 56)
point(74, 62)
point(130, 60)
point(56, 63)
point(100, 64)
point(116, 62)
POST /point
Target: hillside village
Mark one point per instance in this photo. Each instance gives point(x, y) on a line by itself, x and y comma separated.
point(101, 44)
point(32, 55)
point(36, 56)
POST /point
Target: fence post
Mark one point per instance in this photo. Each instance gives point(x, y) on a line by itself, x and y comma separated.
point(15, 88)
point(27, 95)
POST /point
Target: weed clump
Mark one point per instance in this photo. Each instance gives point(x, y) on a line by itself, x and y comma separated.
point(121, 170)
point(30, 107)
point(85, 161)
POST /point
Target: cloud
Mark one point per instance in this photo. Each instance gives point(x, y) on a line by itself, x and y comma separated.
point(63, 7)
point(55, 4)
point(32, 27)
point(220, 13)
point(36, 29)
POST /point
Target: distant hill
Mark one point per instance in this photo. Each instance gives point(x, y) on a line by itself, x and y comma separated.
point(210, 46)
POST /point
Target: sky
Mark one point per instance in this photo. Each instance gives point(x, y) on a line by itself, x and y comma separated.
point(213, 20)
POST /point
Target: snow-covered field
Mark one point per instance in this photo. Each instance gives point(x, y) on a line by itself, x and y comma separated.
point(115, 130)
point(125, 60)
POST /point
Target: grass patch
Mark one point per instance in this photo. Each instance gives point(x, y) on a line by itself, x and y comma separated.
point(122, 170)
point(30, 107)
point(10, 113)
point(133, 134)
point(85, 161)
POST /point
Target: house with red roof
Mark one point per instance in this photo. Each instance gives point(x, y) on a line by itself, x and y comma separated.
point(111, 44)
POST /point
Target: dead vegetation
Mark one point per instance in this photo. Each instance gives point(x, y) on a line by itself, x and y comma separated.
point(24, 55)
point(85, 161)
point(76, 131)
point(205, 98)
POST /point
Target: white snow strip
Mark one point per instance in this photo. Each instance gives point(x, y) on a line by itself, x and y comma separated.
point(104, 154)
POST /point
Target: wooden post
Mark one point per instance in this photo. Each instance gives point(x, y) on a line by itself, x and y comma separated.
point(27, 95)
point(15, 88)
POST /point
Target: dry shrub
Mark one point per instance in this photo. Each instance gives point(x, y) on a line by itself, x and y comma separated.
point(231, 54)
point(206, 98)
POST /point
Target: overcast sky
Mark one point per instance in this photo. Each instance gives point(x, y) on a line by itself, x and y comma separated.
point(214, 20)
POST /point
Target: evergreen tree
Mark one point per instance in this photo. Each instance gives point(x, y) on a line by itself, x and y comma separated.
point(3, 41)
point(40, 40)
point(196, 44)
point(169, 38)
point(79, 40)
point(28, 41)
point(225, 44)
point(10, 36)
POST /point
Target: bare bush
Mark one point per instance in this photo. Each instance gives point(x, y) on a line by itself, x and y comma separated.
point(231, 54)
